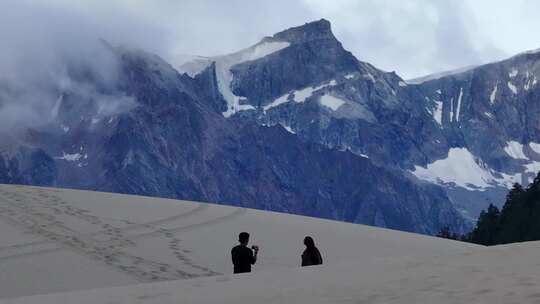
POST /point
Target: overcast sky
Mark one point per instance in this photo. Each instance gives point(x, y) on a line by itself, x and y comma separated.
point(413, 37)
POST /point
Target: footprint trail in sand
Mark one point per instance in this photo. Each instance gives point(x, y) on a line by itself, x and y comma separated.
point(113, 242)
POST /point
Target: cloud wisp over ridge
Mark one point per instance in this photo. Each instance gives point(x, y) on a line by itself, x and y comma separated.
point(42, 41)
point(46, 48)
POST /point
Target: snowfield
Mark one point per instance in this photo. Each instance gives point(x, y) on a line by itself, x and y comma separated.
point(331, 102)
point(298, 96)
point(149, 250)
point(224, 64)
point(438, 111)
point(460, 168)
point(514, 149)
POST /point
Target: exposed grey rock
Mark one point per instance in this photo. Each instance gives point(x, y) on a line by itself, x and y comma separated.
point(340, 144)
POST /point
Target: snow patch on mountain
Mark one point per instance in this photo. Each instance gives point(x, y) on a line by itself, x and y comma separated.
point(298, 96)
point(303, 94)
point(535, 147)
point(349, 76)
point(459, 167)
point(527, 85)
point(223, 70)
point(331, 102)
point(72, 157)
point(288, 128)
point(225, 77)
point(515, 150)
point(451, 109)
point(438, 111)
point(512, 87)
point(513, 73)
point(462, 169)
point(531, 82)
point(281, 100)
point(459, 103)
point(261, 50)
point(533, 168)
point(193, 65)
point(493, 94)
point(402, 84)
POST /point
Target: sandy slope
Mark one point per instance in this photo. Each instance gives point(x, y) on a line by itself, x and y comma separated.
point(505, 274)
point(65, 240)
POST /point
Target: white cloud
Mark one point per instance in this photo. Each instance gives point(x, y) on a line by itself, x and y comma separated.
point(45, 44)
point(413, 38)
point(39, 38)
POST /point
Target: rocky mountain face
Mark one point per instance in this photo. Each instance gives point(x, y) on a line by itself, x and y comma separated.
point(28, 166)
point(295, 124)
point(488, 115)
point(321, 92)
point(176, 142)
point(473, 132)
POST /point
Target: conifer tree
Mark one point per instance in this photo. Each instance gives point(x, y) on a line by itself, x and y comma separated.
point(487, 227)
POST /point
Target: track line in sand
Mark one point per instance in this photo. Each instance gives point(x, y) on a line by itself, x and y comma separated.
point(198, 209)
point(21, 210)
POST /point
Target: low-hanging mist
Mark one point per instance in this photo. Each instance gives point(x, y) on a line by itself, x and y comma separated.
point(56, 48)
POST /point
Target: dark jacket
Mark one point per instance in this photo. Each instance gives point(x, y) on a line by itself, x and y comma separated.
point(242, 259)
point(311, 256)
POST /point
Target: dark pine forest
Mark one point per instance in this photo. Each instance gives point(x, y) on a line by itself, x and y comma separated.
point(517, 221)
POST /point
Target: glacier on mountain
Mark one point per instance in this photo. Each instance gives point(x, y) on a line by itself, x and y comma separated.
point(331, 102)
point(515, 150)
point(462, 169)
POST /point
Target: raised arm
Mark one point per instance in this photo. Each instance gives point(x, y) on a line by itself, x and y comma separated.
point(254, 255)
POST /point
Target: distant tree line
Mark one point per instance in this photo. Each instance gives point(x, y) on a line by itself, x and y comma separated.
point(517, 221)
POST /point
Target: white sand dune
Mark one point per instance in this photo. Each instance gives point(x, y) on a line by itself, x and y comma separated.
point(69, 241)
point(503, 275)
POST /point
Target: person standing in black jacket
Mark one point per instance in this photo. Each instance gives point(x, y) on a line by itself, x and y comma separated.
point(311, 255)
point(242, 256)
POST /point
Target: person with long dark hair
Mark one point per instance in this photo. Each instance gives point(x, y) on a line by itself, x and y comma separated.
point(311, 256)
